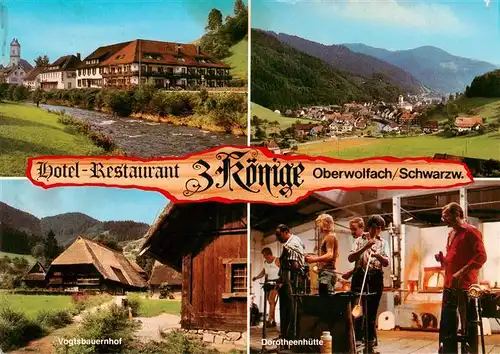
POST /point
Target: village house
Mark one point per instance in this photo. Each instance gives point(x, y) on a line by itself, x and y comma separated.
point(390, 127)
point(340, 128)
point(430, 126)
point(32, 79)
point(89, 266)
point(163, 274)
point(406, 117)
point(272, 146)
point(465, 124)
point(35, 278)
point(17, 69)
point(168, 64)
point(211, 254)
point(307, 129)
point(61, 74)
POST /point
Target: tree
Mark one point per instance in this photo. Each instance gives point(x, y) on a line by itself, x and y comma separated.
point(37, 96)
point(239, 8)
point(108, 242)
point(214, 20)
point(42, 61)
point(20, 93)
point(51, 247)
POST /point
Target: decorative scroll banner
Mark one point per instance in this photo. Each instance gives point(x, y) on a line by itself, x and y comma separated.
point(245, 174)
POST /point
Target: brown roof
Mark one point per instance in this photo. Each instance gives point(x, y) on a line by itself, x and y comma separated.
point(23, 64)
point(468, 122)
point(137, 267)
point(102, 53)
point(67, 62)
point(33, 73)
point(305, 126)
point(166, 53)
point(164, 274)
point(111, 264)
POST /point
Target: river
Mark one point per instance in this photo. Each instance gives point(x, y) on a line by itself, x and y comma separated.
point(142, 138)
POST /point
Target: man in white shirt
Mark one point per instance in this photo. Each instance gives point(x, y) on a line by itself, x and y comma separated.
point(271, 272)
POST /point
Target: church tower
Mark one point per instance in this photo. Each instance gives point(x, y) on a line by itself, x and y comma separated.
point(15, 52)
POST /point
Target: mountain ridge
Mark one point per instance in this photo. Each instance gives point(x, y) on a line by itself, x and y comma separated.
point(343, 58)
point(432, 66)
point(286, 78)
point(68, 226)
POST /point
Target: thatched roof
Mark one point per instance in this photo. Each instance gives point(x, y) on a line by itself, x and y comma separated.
point(111, 264)
point(164, 274)
point(37, 272)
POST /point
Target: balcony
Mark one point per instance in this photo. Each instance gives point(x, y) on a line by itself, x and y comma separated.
point(168, 75)
point(120, 74)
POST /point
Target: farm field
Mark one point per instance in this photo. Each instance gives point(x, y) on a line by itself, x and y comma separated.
point(29, 258)
point(28, 131)
point(32, 304)
point(484, 146)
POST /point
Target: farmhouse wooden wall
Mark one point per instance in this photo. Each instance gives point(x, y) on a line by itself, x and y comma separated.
point(204, 280)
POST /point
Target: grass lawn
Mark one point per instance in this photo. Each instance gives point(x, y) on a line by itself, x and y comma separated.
point(29, 258)
point(484, 146)
point(27, 131)
point(238, 61)
point(155, 307)
point(32, 304)
point(285, 122)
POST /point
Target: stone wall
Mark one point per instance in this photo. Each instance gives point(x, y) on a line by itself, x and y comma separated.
point(239, 339)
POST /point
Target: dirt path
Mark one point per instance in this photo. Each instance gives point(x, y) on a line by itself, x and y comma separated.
point(151, 326)
point(45, 345)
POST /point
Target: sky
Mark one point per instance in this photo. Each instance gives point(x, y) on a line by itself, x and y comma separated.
point(468, 28)
point(62, 27)
point(104, 204)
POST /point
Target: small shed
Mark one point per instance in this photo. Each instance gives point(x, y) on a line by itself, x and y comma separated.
point(162, 274)
point(207, 242)
point(35, 278)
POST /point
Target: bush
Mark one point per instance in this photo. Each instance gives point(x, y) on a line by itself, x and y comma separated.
point(143, 97)
point(104, 324)
point(120, 102)
point(80, 301)
point(174, 343)
point(16, 329)
point(51, 320)
point(135, 305)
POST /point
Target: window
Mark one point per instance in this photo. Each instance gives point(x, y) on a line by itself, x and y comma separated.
point(433, 279)
point(94, 71)
point(236, 278)
point(160, 69)
point(119, 275)
point(79, 83)
point(183, 70)
point(69, 85)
